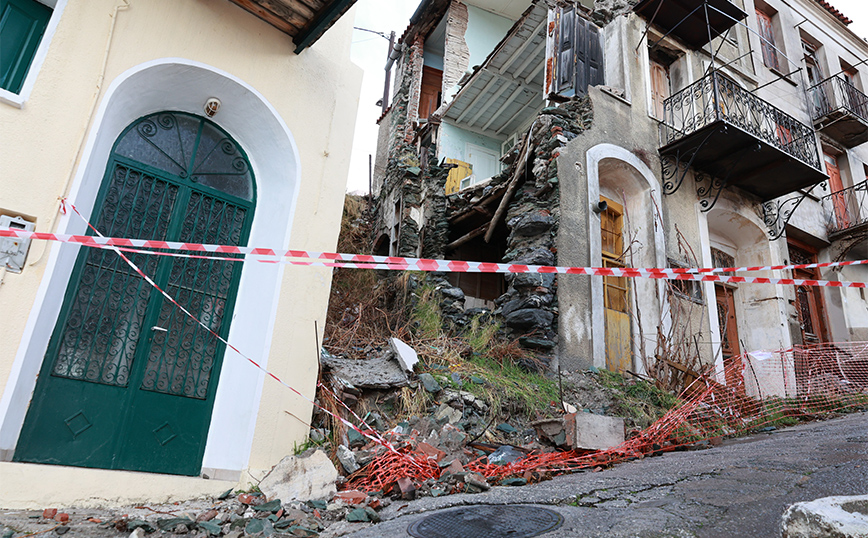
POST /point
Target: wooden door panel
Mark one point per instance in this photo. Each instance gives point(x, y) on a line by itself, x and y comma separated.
point(729, 340)
point(616, 291)
point(809, 299)
point(619, 346)
point(839, 201)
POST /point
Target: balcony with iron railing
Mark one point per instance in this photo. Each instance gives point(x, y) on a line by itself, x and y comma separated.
point(840, 111)
point(719, 128)
point(848, 210)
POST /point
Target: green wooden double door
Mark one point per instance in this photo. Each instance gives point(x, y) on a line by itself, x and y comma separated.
point(128, 380)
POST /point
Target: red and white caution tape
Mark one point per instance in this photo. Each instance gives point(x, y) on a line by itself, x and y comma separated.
point(363, 261)
point(375, 437)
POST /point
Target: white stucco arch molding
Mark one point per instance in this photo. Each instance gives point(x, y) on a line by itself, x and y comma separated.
point(595, 156)
point(181, 85)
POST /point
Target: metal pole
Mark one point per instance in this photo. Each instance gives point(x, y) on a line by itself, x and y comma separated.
point(388, 73)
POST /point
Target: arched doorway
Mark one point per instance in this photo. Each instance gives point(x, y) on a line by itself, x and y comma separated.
point(743, 317)
point(128, 381)
point(629, 236)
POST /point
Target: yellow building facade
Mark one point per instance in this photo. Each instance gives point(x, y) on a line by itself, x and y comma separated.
point(104, 69)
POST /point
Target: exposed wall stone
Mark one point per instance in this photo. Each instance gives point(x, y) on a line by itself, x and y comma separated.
point(414, 62)
point(456, 58)
point(529, 307)
point(606, 10)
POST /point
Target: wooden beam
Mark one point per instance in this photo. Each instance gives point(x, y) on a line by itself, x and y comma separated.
point(476, 99)
point(268, 16)
point(467, 237)
point(534, 73)
point(316, 28)
point(489, 102)
point(513, 184)
point(470, 212)
point(534, 99)
point(540, 59)
point(517, 52)
point(503, 107)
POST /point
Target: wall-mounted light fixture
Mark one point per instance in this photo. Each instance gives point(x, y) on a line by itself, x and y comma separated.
point(212, 105)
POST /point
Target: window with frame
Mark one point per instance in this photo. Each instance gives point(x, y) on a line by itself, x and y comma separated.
point(660, 61)
point(722, 260)
point(22, 25)
point(767, 34)
point(812, 62)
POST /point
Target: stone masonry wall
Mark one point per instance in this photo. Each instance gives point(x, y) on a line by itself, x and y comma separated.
point(529, 307)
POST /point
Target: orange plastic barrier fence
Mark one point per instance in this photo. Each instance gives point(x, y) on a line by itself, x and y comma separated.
point(753, 391)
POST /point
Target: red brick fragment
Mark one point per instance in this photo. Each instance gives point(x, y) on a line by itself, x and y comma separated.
point(61, 517)
point(207, 516)
point(251, 500)
point(408, 490)
point(351, 496)
point(49, 513)
point(431, 451)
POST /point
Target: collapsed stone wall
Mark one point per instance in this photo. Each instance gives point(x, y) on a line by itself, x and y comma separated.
point(529, 307)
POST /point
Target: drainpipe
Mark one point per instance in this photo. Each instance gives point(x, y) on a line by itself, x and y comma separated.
point(394, 54)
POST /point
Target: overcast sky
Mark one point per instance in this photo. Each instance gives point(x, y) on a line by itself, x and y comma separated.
point(369, 52)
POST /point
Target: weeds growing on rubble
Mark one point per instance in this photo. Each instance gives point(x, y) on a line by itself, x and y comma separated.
point(638, 399)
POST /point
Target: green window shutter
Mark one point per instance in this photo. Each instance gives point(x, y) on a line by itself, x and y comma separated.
point(22, 23)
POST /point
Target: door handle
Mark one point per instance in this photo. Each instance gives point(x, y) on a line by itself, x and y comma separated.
point(160, 329)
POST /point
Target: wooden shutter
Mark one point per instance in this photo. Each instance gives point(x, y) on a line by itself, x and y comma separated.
point(595, 55)
point(566, 50)
point(770, 56)
point(582, 67)
point(659, 89)
point(22, 23)
point(576, 51)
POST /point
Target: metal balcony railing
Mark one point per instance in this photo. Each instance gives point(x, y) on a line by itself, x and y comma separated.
point(849, 207)
point(716, 98)
point(836, 94)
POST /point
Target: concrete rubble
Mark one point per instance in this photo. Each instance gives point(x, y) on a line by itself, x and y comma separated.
point(406, 355)
point(303, 478)
point(829, 517)
point(374, 373)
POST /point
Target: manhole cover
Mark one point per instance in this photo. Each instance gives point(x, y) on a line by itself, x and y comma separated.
point(488, 522)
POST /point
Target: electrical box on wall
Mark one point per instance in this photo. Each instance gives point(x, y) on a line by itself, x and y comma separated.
point(13, 251)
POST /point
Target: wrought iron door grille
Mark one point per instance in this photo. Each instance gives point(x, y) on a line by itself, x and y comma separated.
point(182, 357)
point(98, 340)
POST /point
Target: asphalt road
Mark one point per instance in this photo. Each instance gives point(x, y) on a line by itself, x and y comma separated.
point(738, 489)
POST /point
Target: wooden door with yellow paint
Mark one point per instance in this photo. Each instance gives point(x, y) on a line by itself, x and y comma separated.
point(616, 290)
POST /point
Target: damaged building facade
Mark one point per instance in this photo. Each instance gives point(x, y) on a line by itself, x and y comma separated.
point(690, 133)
